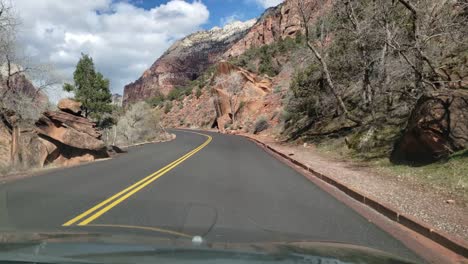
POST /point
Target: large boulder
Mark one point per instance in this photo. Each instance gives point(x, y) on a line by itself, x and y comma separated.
point(437, 127)
point(69, 130)
point(69, 106)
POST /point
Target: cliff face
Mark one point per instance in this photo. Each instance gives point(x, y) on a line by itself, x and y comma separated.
point(185, 60)
point(276, 23)
point(189, 57)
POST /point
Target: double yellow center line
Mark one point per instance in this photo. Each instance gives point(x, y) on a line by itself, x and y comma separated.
point(106, 205)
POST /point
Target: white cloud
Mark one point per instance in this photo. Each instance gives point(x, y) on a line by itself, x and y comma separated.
point(122, 39)
point(268, 3)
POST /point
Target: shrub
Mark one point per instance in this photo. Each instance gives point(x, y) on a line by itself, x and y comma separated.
point(198, 92)
point(277, 89)
point(260, 125)
point(187, 90)
point(156, 100)
point(174, 94)
point(167, 107)
point(140, 123)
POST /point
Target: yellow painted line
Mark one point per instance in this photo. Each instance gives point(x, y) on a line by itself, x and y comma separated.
point(156, 229)
point(147, 179)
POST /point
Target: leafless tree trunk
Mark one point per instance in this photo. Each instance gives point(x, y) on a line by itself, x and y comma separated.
point(415, 38)
point(306, 9)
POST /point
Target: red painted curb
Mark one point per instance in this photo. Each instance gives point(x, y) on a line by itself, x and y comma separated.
point(454, 244)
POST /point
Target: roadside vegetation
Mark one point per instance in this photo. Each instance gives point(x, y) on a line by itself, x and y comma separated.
point(21, 103)
point(372, 61)
point(91, 89)
point(264, 60)
point(140, 123)
point(448, 176)
point(360, 68)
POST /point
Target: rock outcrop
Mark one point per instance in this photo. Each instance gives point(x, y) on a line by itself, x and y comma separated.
point(437, 127)
point(60, 138)
point(69, 106)
point(189, 57)
point(66, 138)
point(276, 23)
point(185, 60)
point(213, 108)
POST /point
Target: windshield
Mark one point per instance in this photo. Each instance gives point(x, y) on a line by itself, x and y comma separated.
point(252, 130)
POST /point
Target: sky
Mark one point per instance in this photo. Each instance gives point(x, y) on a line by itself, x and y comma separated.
point(124, 37)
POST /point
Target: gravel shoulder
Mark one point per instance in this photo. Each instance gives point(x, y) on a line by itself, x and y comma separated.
point(429, 205)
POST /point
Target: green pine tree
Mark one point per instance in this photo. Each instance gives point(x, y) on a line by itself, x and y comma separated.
point(90, 88)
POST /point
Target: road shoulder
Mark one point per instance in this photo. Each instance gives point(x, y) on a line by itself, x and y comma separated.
point(52, 168)
point(422, 212)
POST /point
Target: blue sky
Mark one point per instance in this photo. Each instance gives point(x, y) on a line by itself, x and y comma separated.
point(221, 11)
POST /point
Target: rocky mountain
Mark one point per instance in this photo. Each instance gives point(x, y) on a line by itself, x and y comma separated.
point(185, 60)
point(276, 23)
point(214, 107)
point(189, 57)
point(117, 99)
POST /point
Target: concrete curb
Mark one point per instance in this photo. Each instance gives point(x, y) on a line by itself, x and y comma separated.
point(454, 244)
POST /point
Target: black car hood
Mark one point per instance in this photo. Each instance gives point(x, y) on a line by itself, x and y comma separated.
point(104, 248)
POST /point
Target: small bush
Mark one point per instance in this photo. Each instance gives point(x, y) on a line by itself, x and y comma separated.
point(260, 125)
point(139, 123)
point(173, 94)
point(277, 89)
point(188, 90)
point(167, 107)
point(156, 100)
point(198, 93)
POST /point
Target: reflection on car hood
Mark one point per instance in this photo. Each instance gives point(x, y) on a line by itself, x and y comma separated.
point(106, 248)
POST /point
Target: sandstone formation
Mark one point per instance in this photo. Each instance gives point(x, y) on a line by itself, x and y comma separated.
point(189, 57)
point(185, 60)
point(213, 109)
point(60, 138)
point(69, 106)
point(276, 23)
point(67, 138)
point(437, 127)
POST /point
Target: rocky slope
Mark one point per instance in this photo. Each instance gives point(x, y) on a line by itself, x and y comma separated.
point(276, 23)
point(257, 99)
point(185, 60)
point(189, 57)
point(61, 138)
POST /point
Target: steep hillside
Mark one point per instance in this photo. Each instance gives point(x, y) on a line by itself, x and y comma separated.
point(343, 77)
point(184, 61)
point(191, 56)
point(275, 24)
point(213, 106)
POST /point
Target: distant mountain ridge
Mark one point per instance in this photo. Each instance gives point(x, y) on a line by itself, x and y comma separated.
point(185, 60)
point(189, 57)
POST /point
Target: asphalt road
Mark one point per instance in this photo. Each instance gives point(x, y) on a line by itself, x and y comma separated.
point(226, 189)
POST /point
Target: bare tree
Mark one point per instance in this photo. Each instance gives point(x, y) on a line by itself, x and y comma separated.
point(139, 123)
point(307, 9)
point(21, 82)
point(437, 26)
point(232, 83)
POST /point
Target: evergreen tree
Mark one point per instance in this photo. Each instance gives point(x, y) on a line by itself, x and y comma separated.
point(90, 88)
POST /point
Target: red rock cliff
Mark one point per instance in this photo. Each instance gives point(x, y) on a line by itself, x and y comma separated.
point(189, 57)
point(185, 60)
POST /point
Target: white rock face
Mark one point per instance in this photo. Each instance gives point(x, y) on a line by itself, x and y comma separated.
point(216, 34)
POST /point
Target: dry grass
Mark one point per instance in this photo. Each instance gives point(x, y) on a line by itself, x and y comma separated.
point(448, 176)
